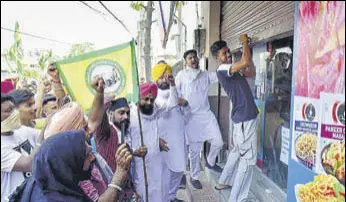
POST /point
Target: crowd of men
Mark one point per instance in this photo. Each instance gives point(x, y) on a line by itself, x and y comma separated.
point(52, 151)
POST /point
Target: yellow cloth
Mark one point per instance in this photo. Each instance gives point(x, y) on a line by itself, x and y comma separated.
point(158, 70)
point(11, 123)
point(40, 123)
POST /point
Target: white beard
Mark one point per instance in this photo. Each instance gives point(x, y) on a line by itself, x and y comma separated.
point(162, 96)
point(192, 74)
point(164, 93)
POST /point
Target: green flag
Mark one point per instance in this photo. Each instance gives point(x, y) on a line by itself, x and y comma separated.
point(117, 65)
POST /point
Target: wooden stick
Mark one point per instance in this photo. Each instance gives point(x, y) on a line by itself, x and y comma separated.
point(144, 166)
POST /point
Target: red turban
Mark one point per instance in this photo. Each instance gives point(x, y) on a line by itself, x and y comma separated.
point(6, 86)
point(146, 88)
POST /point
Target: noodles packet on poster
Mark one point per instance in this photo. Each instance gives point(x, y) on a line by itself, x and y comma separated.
point(305, 131)
point(331, 150)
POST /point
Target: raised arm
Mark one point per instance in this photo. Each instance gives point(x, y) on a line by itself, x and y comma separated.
point(173, 100)
point(97, 110)
point(212, 78)
point(246, 60)
point(39, 98)
point(57, 85)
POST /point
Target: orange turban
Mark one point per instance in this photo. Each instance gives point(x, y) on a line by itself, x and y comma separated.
point(69, 117)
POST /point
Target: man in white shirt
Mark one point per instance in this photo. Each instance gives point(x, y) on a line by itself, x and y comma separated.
point(18, 146)
point(201, 124)
point(171, 128)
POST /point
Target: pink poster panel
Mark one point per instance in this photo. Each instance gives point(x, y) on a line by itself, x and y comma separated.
point(320, 48)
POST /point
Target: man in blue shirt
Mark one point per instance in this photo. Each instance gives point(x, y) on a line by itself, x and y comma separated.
point(242, 158)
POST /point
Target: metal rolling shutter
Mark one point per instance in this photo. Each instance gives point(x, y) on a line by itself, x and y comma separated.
point(259, 19)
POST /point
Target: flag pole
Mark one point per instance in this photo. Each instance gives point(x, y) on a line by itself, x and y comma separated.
point(142, 140)
point(144, 165)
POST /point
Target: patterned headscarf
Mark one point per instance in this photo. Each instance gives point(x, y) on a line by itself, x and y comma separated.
point(70, 117)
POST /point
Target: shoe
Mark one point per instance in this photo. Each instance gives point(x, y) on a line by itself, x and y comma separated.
point(183, 183)
point(196, 183)
point(215, 168)
point(177, 200)
point(222, 187)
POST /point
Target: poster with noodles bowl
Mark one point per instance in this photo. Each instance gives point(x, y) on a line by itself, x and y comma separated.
point(305, 131)
point(331, 150)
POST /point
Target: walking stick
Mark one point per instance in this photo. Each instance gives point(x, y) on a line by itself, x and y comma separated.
point(144, 166)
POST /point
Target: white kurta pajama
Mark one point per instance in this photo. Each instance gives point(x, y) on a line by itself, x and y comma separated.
point(153, 158)
point(201, 124)
point(171, 129)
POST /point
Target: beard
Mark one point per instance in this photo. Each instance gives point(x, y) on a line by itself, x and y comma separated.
point(126, 122)
point(147, 109)
point(163, 86)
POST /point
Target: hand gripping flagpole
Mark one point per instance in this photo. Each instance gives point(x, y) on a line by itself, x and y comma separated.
point(142, 140)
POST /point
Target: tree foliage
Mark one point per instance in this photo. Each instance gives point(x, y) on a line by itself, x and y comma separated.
point(137, 5)
point(79, 49)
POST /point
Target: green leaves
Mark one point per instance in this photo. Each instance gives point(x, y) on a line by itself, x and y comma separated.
point(45, 58)
point(137, 5)
point(179, 3)
point(79, 49)
point(16, 51)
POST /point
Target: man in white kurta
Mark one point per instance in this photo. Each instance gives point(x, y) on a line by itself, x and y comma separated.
point(149, 114)
point(201, 124)
point(171, 128)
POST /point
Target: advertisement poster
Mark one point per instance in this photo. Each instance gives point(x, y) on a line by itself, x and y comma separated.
point(305, 131)
point(331, 149)
point(319, 66)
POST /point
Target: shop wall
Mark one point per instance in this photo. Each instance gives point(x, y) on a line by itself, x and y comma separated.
point(219, 102)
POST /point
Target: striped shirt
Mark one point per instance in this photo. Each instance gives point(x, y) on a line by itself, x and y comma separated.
point(106, 140)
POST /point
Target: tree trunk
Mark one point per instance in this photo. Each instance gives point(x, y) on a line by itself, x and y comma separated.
point(147, 40)
point(170, 23)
